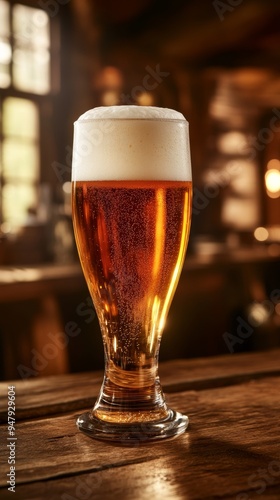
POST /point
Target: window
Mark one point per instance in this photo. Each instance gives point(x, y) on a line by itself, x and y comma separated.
point(24, 84)
point(20, 159)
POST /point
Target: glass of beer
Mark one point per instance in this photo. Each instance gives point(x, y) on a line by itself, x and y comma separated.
point(131, 210)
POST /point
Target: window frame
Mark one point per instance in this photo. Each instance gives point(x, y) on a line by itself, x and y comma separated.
point(43, 102)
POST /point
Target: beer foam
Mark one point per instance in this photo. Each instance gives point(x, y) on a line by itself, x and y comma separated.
point(131, 143)
point(118, 112)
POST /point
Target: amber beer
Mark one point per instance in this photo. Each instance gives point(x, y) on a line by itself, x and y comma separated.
point(131, 213)
point(131, 238)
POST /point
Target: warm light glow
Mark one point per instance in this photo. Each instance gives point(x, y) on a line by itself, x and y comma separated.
point(5, 52)
point(160, 223)
point(145, 99)
point(115, 343)
point(110, 98)
point(240, 213)
point(40, 19)
point(5, 80)
point(42, 56)
point(176, 273)
point(272, 182)
point(232, 143)
point(26, 274)
point(160, 232)
point(6, 227)
point(155, 312)
point(243, 179)
point(261, 233)
point(274, 163)
point(18, 275)
point(109, 77)
point(258, 314)
point(67, 187)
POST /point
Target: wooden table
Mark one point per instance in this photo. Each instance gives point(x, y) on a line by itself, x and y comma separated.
point(230, 451)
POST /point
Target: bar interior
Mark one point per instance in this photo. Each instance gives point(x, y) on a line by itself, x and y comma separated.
point(215, 62)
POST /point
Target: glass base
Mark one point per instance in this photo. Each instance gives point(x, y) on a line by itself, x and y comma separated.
point(134, 433)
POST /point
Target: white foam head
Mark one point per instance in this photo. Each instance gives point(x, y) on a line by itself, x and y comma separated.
point(131, 143)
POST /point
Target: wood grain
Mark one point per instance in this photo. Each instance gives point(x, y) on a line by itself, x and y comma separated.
point(230, 451)
point(52, 395)
point(234, 433)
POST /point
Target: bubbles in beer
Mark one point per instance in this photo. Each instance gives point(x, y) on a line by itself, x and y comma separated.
point(131, 238)
point(131, 206)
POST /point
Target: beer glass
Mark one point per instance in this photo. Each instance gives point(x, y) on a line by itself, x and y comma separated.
point(131, 212)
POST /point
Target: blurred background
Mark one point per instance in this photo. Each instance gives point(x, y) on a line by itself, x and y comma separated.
point(218, 63)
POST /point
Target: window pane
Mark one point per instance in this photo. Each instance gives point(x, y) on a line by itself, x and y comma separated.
point(5, 51)
point(20, 118)
point(20, 160)
point(4, 18)
point(240, 214)
point(5, 78)
point(30, 26)
point(17, 200)
point(5, 59)
point(31, 70)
